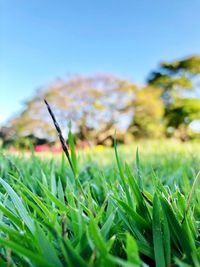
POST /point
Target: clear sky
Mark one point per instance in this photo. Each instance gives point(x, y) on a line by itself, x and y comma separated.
point(41, 40)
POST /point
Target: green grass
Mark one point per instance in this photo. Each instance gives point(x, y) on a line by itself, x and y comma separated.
point(113, 208)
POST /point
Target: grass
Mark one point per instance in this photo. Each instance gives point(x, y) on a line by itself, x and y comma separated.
point(110, 208)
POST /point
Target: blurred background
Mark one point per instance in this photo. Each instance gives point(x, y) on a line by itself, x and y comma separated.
point(130, 66)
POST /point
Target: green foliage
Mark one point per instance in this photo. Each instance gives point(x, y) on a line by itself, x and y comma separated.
point(175, 79)
point(176, 75)
point(143, 213)
point(100, 104)
point(183, 112)
point(190, 65)
point(148, 113)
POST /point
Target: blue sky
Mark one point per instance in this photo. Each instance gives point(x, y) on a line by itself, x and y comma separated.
point(42, 40)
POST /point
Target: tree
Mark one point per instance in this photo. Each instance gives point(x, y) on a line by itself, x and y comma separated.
point(148, 113)
point(177, 77)
point(93, 104)
point(178, 82)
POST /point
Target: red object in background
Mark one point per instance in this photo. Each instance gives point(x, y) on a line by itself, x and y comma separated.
point(42, 148)
point(12, 149)
point(80, 145)
point(56, 148)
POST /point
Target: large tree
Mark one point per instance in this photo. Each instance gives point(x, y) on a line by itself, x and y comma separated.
point(177, 77)
point(148, 109)
point(94, 105)
point(179, 83)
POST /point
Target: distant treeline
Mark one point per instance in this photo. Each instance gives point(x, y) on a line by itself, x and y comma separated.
point(167, 106)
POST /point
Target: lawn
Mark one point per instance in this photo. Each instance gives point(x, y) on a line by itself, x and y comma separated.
point(136, 205)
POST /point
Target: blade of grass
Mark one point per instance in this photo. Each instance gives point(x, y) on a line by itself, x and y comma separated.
point(191, 194)
point(132, 250)
point(124, 183)
point(157, 234)
point(72, 150)
point(46, 247)
point(62, 140)
point(18, 205)
point(27, 254)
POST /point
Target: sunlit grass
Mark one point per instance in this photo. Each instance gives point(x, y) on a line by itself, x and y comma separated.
point(136, 210)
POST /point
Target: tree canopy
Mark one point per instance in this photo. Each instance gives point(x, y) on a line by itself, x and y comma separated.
point(179, 82)
point(97, 105)
point(94, 104)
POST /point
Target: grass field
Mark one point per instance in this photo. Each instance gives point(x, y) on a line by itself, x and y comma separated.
point(124, 208)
